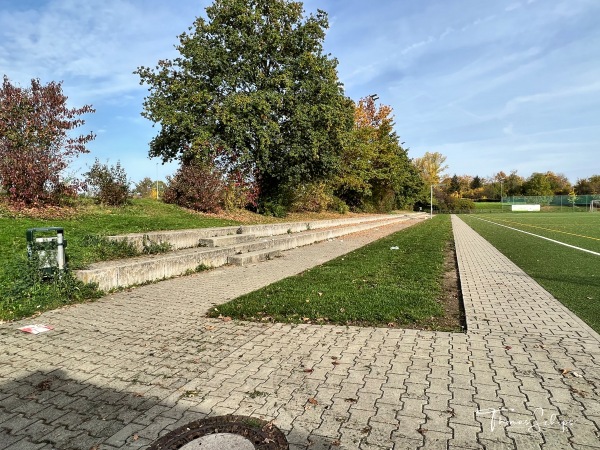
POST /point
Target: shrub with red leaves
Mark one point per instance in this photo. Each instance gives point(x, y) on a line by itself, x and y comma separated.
point(35, 146)
point(197, 186)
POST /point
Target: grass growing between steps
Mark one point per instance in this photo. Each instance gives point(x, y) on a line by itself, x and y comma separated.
point(371, 286)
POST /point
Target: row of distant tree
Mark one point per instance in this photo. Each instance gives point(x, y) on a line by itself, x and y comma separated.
point(513, 184)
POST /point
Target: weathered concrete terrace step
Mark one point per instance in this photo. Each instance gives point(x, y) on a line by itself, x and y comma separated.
point(223, 241)
point(122, 273)
point(253, 257)
point(190, 238)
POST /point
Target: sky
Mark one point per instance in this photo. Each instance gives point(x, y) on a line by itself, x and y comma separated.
point(494, 86)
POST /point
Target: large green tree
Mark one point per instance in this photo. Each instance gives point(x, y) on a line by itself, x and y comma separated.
point(251, 91)
point(375, 171)
point(587, 186)
point(538, 184)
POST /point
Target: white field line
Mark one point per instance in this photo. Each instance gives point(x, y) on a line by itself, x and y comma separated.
point(541, 237)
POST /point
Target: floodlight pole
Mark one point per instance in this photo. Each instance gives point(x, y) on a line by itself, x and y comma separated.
point(501, 195)
point(431, 200)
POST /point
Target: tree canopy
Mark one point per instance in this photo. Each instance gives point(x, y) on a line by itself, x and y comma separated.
point(376, 172)
point(251, 91)
point(35, 146)
point(431, 166)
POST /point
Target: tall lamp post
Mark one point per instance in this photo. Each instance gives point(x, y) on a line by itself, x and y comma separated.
point(501, 195)
point(431, 200)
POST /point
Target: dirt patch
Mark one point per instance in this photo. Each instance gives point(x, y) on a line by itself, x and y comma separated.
point(453, 319)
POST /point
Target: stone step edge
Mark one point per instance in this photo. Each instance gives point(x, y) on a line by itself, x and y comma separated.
point(124, 273)
point(189, 238)
point(253, 257)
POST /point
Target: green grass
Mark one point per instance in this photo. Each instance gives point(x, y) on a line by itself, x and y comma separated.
point(82, 229)
point(23, 294)
point(570, 275)
point(371, 286)
point(495, 206)
point(581, 230)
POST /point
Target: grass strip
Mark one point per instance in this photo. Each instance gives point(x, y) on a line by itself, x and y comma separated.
point(571, 276)
point(371, 286)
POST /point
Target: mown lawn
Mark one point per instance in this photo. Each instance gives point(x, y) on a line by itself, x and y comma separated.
point(371, 286)
point(140, 216)
point(23, 294)
point(570, 275)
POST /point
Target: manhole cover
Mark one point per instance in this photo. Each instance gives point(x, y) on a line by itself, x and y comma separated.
point(224, 433)
point(220, 441)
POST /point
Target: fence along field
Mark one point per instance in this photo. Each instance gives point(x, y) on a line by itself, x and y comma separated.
point(548, 203)
point(572, 276)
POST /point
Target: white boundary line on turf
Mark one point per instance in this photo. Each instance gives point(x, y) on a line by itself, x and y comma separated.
point(541, 237)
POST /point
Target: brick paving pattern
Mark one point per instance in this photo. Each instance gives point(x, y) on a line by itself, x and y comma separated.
point(119, 372)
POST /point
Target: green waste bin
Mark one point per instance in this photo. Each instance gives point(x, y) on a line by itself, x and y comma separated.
point(47, 244)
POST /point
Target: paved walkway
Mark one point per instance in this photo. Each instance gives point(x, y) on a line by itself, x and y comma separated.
point(117, 373)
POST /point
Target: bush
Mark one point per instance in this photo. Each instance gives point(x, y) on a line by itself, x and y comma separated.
point(465, 204)
point(273, 209)
point(339, 206)
point(109, 185)
point(312, 197)
point(196, 186)
point(452, 202)
point(240, 193)
point(35, 147)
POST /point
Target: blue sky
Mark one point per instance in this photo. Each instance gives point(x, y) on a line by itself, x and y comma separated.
point(492, 85)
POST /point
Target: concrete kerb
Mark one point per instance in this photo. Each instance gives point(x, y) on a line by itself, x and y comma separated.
point(190, 238)
point(134, 271)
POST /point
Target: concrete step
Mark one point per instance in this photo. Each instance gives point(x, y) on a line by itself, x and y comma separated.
point(253, 257)
point(134, 271)
point(190, 238)
point(224, 241)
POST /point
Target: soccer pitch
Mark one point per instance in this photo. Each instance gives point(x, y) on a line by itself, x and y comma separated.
point(570, 274)
point(577, 229)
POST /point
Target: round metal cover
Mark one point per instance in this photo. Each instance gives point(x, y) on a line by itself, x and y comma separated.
point(228, 432)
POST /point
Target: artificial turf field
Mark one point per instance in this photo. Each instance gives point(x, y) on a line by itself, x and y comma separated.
point(571, 275)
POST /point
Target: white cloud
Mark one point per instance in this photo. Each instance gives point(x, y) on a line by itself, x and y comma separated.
point(493, 85)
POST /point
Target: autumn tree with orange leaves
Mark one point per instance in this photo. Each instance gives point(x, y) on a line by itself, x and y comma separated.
point(376, 173)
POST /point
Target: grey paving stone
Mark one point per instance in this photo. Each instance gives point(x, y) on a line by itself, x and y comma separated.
point(147, 360)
